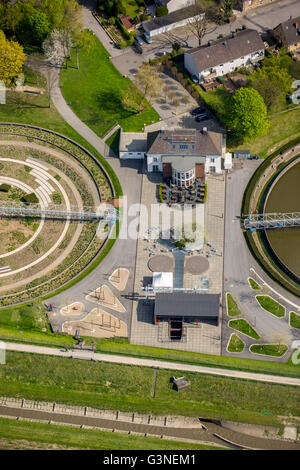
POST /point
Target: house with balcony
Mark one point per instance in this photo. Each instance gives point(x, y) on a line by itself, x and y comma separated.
point(181, 155)
point(184, 155)
point(225, 55)
point(288, 34)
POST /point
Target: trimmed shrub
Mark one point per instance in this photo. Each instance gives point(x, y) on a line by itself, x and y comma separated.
point(4, 188)
point(162, 10)
point(30, 199)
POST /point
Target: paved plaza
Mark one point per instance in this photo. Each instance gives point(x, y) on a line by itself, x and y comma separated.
point(206, 263)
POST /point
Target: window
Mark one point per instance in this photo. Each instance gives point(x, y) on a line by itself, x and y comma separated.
point(212, 169)
point(155, 159)
point(212, 160)
point(183, 146)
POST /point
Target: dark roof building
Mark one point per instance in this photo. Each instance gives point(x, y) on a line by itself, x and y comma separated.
point(184, 142)
point(226, 49)
point(187, 306)
point(173, 20)
point(288, 33)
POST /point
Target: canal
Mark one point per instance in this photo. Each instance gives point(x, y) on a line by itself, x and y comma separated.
point(285, 197)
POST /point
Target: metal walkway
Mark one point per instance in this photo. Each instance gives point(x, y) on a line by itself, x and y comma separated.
point(56, 211)
point(272, 220)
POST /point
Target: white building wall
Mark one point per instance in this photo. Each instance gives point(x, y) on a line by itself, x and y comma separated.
point(213, 164)
point(131, 155)
point(154, 160)
point(169, 27)
point(190, 65)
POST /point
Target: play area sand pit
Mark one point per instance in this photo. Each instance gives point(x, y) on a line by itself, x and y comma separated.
point(105, 297)
point(98, 324)
point(76, 308)
point(196, 265)
point(119, 278)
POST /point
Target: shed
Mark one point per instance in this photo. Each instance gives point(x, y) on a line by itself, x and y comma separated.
point(241, 154)
point(162, 280)
point(228, 161)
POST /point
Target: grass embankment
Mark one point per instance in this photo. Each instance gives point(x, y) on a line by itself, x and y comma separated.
point(276, 350)
point(244, 327)
point(295, 320)
point(283, 125)
point(253, 284)
point(99, 101)
point(232, 307)
point(129, 388)
point(235, 344)
point(20, 434)
point(271, 305)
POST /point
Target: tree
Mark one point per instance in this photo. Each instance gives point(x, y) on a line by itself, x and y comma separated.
point(12, 58)
point(34, 29)
point(197, 24)
point(280, 337)
point(85, 40)
point(55, 48)
point(247, 117)
point(133, 100)
point(161, 10)
point(148, 81)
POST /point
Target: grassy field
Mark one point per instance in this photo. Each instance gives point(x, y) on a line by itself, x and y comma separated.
point(244, 327)
point(295, 320)
point(129, 388)
point(277, 350)
point(253, 284)
point(99, 102)
point(235, 345)
point(283, 125)
point(31, 435)
point(271, 305)
point(232, 307)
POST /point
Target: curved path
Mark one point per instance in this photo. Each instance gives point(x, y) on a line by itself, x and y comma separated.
point(83, 354)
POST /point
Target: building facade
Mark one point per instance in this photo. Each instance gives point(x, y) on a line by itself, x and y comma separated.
point(225, 55)
point(181, 155)
point(176, 19)
point(247, 5)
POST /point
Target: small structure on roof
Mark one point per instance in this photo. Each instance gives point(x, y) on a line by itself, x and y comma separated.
point(162, 280)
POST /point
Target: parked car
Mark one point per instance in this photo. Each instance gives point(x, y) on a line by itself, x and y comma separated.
point(137, 48)
point(139, 40)
point(195, 79)
point(199, 110)
point(147, 38)
point(202, 117)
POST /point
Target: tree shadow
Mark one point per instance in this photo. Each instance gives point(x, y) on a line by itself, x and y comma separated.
point(111, 102)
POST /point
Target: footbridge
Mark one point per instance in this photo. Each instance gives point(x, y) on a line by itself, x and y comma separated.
point(56, 211)
point(272, 220)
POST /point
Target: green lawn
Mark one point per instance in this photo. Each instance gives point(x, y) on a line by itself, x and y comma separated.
point(253, 284)
point(283, 125)
point(95, 93)
point(113, 142)
point(277, 350)
point(295, 320)
point(235, 344)
point(232, 307)
point(244, 327)
point(129, 388)
point(271, 305)
point(13, 434)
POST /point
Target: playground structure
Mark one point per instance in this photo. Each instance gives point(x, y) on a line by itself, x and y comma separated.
point(104, 296)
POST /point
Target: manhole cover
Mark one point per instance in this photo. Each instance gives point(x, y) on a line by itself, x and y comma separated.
point(196, 265)
point(161, 264)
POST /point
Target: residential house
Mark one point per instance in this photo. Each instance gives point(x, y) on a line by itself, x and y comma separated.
point(288, 34)
point(184, 154)
point(176, 19)
point(127, 23)
point(225, 55)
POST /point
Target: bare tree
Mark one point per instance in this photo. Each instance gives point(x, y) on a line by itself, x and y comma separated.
point(198, 23)
point(55, 48)
point(148, 81)
point(280, 337)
